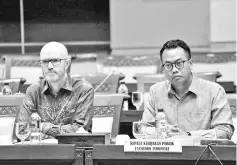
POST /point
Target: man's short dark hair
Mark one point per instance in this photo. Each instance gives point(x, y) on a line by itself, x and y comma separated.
point(172, 44)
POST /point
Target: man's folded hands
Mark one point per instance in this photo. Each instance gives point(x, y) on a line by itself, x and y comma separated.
point(53, 130)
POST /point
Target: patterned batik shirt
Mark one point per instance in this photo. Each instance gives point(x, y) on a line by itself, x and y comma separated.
point(202, 110)
point(72, 106)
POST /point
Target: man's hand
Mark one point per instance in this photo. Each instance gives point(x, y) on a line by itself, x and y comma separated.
point(69, 128)
point(46, 126)
point(53, 130)
point(50, 129)
point(175, 130)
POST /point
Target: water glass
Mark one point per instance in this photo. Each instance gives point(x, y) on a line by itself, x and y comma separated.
point(137, 99)
point(22, 130)
point(139, 129)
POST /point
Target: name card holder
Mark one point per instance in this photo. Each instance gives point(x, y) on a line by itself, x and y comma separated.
point(153, 145)
point(216, 142)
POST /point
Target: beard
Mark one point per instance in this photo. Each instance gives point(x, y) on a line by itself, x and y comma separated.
point(53, 76)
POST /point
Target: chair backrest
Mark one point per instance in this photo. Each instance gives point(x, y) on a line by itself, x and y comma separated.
point(17, 60)
point(145, 81)
point(14, 83)
point(110, 86)
point(9, 108)
point(211, 76)
point(107, 112)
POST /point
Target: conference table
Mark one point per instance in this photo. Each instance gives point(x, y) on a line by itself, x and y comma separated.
point(50, 154)
point(115, 155)
point(111, 154)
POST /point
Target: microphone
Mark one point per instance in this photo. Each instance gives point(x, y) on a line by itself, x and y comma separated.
point(106, 78)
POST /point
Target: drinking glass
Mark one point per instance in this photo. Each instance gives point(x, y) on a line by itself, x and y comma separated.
point(139, 129)
point(137, 99)
point(22, 130)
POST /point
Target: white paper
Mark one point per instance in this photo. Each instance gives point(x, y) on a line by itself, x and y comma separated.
point(81, 130)
point(102, 124)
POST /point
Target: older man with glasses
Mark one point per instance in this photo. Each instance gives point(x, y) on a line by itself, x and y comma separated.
point(63, 103)
point(193, 106)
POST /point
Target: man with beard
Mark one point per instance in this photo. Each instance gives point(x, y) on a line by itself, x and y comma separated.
point(193, 106)
point(64, 104)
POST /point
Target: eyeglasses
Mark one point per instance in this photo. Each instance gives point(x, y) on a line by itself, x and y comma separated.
point(179, 65)
point(54, 62)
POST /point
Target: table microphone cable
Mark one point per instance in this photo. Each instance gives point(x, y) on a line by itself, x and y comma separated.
point(209, 146)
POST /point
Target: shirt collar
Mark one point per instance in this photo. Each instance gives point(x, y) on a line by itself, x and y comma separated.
point(192, 88)
point(67, 85)
point(194, 85)
point(170, 88)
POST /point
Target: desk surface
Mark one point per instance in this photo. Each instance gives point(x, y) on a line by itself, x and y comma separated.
point(63, 154)
point(114, 154)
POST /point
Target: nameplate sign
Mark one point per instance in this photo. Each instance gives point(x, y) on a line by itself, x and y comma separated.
point(152, 145)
